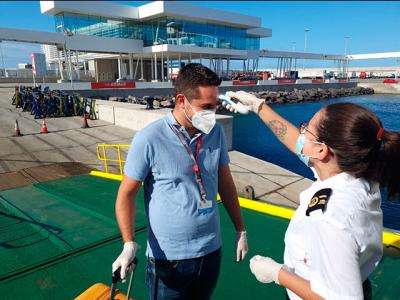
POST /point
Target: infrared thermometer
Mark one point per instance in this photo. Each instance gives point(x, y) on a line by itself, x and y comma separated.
point(235, 104)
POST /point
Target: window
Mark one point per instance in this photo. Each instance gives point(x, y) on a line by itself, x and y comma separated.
point(169, 30)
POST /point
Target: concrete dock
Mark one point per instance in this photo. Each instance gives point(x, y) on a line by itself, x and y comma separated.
point(71, 150)
point(67, 150)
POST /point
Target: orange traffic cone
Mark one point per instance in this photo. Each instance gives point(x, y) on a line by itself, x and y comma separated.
point(84, 121)
point(44, 127)
point(17, 132)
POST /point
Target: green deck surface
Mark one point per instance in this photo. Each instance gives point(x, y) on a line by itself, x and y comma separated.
point(60, 237)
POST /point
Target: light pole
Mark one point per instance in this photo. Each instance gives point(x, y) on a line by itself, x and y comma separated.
point(2, 58)
point(68, 33)
point(346, 42)
point(306, 30)
point(162, 60)
point(293, 46)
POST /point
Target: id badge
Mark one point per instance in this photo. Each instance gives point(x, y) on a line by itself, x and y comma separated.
point(204, 206)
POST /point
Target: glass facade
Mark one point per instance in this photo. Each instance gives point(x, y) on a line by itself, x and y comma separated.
point(99, 26)
point(253, 43)
point(162, 30)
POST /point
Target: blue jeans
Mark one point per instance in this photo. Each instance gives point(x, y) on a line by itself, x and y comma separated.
point(191, 279)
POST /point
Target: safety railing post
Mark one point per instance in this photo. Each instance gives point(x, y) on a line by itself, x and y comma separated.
point(120, 160)
point(105, 159)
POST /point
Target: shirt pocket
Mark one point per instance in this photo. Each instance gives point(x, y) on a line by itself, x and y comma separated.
point(210, 161)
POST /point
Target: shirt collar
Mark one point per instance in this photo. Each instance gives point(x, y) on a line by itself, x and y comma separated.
point(171, 120)
point(338, 180)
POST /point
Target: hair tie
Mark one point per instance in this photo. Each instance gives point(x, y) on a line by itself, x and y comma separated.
point(379, 134)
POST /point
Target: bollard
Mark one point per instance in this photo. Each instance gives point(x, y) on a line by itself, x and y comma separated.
point(149, 102)
point(249, 192)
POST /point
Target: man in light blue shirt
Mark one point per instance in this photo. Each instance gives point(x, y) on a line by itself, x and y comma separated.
point(183, 162)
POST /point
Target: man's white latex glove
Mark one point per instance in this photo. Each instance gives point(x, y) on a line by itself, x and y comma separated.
point(241, 245)
point(125, 258)
point(247, 99)
point(265, 269)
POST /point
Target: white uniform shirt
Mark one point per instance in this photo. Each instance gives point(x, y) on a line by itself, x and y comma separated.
point(336, 250)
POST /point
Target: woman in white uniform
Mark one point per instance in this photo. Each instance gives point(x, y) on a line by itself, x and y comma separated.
point(334, 240)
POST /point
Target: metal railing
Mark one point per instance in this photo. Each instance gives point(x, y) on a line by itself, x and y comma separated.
point(104, 156)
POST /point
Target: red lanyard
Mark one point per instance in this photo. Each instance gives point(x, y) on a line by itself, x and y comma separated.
point(196, 168)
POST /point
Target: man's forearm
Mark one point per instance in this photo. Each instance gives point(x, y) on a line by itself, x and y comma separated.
point(231, 204)
point(125, 208)
point(228, 193)
point(234, 212)
point(126, 212)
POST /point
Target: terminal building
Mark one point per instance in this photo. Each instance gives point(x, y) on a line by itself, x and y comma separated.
point(104, 41)
point(152, 41)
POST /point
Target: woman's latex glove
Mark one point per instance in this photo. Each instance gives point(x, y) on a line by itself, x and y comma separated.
point(247, 99)
point(125, 258)
point(241, 245)
point(265, 269)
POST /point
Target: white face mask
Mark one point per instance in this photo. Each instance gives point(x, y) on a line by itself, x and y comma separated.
point(203, 120)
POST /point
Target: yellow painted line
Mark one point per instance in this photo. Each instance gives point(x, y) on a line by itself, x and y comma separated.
point(106, 175)
point(267, 208)
point(114, 145)
point(391, 239)
point(388, 238)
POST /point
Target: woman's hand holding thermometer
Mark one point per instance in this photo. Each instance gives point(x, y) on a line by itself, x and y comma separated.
point(233, 104)
point(242, 102)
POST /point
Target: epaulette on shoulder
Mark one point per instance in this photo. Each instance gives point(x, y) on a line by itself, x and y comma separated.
point(319, 201)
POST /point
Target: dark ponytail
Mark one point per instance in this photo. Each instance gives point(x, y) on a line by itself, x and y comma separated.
point(389, 163)
point(361, 147)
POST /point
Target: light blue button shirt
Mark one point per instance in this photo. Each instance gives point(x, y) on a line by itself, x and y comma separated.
point(175, 228)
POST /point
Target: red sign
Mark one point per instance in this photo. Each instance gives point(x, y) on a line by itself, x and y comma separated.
point(113, 85)
point(391, 81)
point(286, 81)
point(317, 81)
point(244, 82)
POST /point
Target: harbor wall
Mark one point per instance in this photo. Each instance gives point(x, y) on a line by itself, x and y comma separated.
point(136, 116)
point(140, 92)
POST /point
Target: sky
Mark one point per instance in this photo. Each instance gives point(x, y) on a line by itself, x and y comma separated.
point(371, 25)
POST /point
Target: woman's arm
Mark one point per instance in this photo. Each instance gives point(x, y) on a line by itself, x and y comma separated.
point(297, 285)
point(333, 271)
point(285, 131)
point(266, 270)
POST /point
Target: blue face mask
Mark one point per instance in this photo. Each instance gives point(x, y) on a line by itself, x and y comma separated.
point(299, 147)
